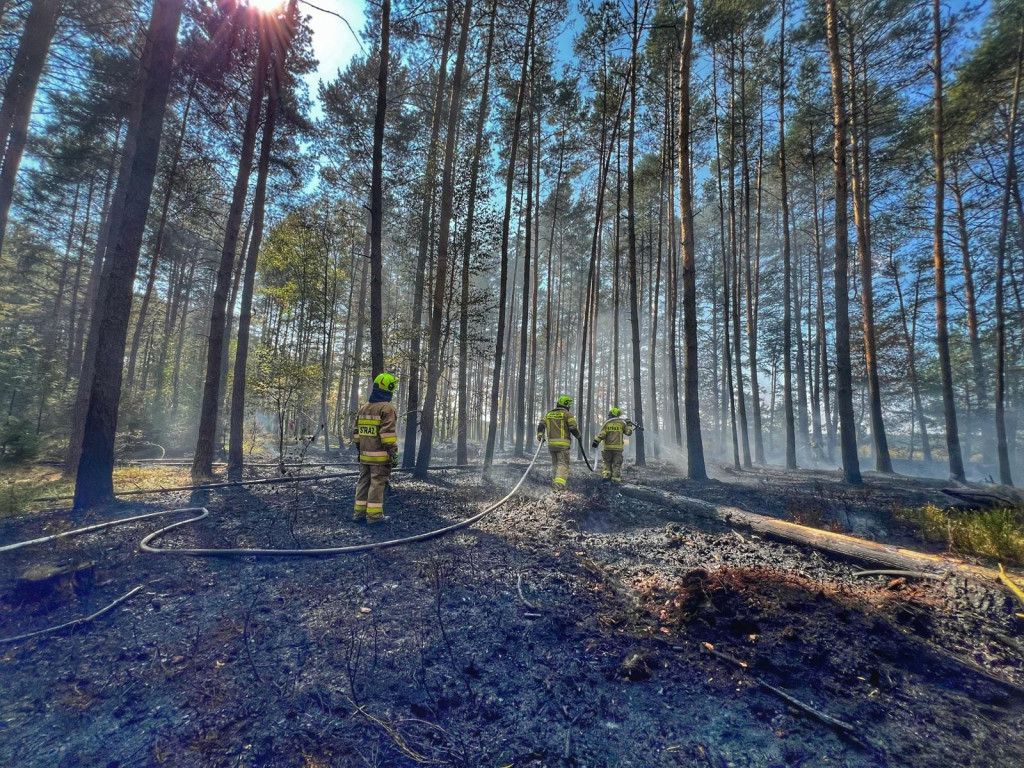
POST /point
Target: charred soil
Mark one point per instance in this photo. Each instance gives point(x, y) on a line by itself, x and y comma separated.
point(581, 628)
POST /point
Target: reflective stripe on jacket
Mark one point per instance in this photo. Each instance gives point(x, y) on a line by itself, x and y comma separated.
point(612, 433)
point(558, 424)
point(376, 433)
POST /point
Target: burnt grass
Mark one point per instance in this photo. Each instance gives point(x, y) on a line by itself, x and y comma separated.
point(563, 630)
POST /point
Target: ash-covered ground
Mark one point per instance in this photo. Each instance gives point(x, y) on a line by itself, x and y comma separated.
point(563, 630)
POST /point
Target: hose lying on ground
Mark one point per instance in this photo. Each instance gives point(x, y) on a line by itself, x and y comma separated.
point(240, 483)
point(145, 544)
point(74, 623)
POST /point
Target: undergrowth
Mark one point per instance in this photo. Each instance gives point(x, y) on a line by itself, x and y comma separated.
point(997, 533)
point(22, 487)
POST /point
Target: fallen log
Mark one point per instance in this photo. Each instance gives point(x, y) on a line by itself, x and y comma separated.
point(848, 547)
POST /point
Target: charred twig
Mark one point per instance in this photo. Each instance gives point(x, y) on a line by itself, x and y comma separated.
point(840, 725)
point(69, 624)
point(522, 599)
point(395, 736)
point(906, 574)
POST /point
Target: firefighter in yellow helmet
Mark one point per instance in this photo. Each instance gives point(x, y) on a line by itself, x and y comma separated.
point(377, 437)
point(558, 425)
point(612, 434)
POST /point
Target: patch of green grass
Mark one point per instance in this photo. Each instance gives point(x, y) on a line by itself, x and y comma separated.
point(997, 533)
point(20, 486)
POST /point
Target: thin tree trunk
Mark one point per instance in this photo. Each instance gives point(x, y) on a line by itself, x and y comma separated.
point(426, 220)
point(956, 462)
point(499, 347)
point(20, 94)
point(695, 468)
point(377, 196)
point(202, 463)
point(634, 316)
point(844, 393)
point(1002, 447)
point(862, 221)
point(276, 63)
point(444, 238)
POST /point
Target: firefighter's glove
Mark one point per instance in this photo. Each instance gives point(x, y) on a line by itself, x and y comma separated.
point(594, 444)
point(394, 460)
point(540, 437)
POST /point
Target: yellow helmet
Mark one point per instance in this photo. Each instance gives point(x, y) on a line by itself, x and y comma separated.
point(565, 401)
point(614, 411)
point(386, 382)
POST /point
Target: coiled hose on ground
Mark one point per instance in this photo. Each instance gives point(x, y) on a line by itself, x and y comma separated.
point(145, 544)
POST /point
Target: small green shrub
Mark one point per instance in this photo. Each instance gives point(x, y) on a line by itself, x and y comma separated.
point(997, 533)
point(18, 441)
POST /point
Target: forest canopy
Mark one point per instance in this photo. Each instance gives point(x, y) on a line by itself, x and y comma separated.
point(771, 232)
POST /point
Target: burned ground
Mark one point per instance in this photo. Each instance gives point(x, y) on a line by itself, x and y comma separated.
point(562, 630)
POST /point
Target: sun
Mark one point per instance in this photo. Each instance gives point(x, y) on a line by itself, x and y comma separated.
point(267, 6)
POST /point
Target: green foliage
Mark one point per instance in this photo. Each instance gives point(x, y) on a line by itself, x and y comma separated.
point(18, 441)
point(997, 533)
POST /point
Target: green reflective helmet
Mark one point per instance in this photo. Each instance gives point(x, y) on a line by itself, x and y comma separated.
point(565, 401)
point(614, 411)
point(386, 382)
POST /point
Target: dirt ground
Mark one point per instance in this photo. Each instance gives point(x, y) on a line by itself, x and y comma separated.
point(578, 629)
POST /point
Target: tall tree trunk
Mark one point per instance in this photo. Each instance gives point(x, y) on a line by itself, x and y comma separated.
point(862, 221)
point(970, 299)
point(444, 239)
point(159, 239)
point(202, 462)
point(1002, 447)
point(94, 482)
point(956, 462)
point(426, 220)
point(909, 335)
point(510, 175)
point(524, 325)
point(377, 196)
point(20, 94)
point(237, 415)
point(462, 449)
point(844, 386)
point(634, 316)
point(695, 468)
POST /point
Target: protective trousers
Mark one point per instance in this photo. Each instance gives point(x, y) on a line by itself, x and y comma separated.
point(612, 461)
point(373, 480)
point(560, 466)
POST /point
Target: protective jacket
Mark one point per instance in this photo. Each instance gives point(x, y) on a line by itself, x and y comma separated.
point(558, 425)
point(376, 432)
point(612, 434)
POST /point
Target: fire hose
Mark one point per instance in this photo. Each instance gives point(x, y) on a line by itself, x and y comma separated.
point(200, 513)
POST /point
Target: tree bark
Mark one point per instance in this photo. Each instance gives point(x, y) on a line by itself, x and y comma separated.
point(1002, 447)
point(20, 94)
point(276, 64)
point(956, 462)
point(844, 382)
point(377, 196)
point(94, 480)
point(425, 225)
point(862, 221)
point(695, 468)
point(444, 239)
point(462, 449)
point(499, 349)
point(634, 316)
point(202, 463)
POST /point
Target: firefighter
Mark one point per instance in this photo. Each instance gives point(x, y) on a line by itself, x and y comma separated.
point(376, 436)
point(612, 434)
point(558, 425)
